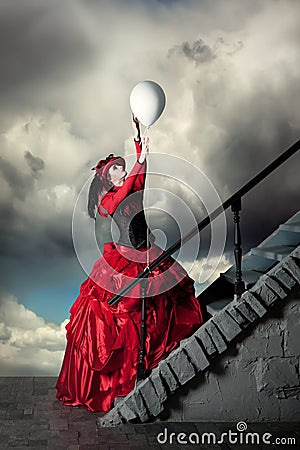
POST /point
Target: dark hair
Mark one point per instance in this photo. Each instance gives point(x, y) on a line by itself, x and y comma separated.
point(96, 188)
point(101, 184)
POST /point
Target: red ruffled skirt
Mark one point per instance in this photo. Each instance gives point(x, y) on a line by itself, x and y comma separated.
point(103, 342)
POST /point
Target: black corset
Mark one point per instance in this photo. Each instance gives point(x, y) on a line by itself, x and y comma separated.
point(131, 222)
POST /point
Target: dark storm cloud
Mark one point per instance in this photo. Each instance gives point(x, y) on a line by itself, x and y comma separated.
point(35, 163)
point(245, 113)
point(247, 150)
point(28, 232)
point(39, 40)
point(57, 238)
point(5, 333)
point(26, 236)
point(258, 130)
point(19, 182)
point(197, 51)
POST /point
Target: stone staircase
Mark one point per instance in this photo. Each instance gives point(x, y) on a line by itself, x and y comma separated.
point(271, 272)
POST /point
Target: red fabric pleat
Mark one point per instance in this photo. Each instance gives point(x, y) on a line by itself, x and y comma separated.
point(103, 342)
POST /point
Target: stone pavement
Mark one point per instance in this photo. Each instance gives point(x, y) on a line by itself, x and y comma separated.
point(32, 418)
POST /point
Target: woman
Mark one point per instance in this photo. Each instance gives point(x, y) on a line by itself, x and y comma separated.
point(103, 342)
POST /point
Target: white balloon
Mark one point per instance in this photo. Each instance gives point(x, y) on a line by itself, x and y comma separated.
point(147, 102)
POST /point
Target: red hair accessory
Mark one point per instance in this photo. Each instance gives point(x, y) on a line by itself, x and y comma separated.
point(104, 165)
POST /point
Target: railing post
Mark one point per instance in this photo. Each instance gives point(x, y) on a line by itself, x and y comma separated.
point(141, 371)
point(239, 285)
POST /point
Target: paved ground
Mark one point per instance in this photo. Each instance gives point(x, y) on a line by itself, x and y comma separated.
point(32, 418)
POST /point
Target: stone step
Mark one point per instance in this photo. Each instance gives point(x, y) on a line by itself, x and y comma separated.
point(293, 227)
point(250, 277)
point(257, 263)
point(286, 234)
point(295, 218)
point(276, 253)
point(220, 288)
point(216, 306)
point(281, 237)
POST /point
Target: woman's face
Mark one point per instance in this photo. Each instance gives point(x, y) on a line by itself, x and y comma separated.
point(117, 174)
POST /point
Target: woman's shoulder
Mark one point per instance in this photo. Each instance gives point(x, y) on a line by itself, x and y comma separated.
point(110, 193)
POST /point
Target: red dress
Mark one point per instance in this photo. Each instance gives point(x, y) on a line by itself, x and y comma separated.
point(103, 342)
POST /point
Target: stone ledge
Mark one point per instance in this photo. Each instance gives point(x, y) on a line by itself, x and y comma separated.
point(296, 253)
point(196, 353)
point(159, 387)
point(206, 342)
point(246, 310)
point(167, 376)
point(151, 399)
point(227, 325)
point(181, 365)
point(283, 277)
point(135, 402)
point(264, 292)
point(292, 267)
point(215, 335)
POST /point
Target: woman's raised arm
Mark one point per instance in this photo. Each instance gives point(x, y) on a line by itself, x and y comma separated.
point(112, 199)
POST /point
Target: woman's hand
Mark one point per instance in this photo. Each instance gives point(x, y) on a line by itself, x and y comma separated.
point(136, 127)
point(145, 149)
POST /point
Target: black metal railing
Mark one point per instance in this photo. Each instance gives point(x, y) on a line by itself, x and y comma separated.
point(235, 202)
point(239, 286)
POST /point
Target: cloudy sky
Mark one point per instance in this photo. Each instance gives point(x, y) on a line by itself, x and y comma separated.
point(231, 74)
